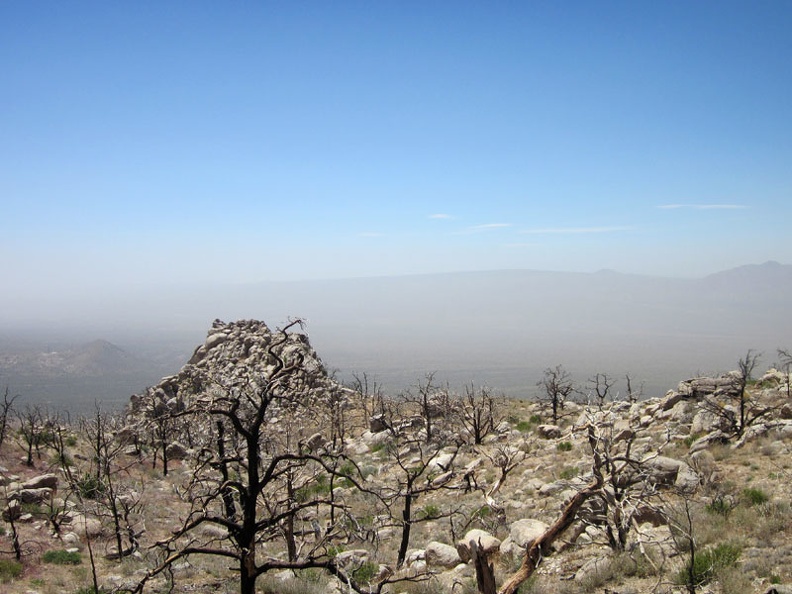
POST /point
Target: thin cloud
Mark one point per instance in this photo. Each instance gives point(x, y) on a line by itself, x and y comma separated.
point(440, 216)
point(573, 230)
point(702, 206)
point(484, 228)
point(489, 226)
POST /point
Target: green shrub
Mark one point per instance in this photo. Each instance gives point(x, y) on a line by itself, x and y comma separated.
point(720, 506)
point(61, 557)
point(755, 496)
point(688, 441)
point(334, 550)
point(88, 486)
point(307, 492)
point(535, 419)
point(524, 426)
point(564, 446)
point(429, 512)
point(30, 508)
point(347, 469)
point(567, 473)
point(366, 572)
point(708, 562)
point(9, 570)
point(484, 511)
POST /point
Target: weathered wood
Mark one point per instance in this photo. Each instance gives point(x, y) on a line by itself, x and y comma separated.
point(541, 545)
point(485, 575)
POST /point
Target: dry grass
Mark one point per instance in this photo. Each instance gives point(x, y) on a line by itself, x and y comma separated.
point(763, 530)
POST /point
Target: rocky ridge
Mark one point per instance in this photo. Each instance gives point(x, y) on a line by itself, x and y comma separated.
point(492, 498)
point(670, 437)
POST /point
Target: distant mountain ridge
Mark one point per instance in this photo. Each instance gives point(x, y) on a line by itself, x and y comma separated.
point(95, 371)
point(98, 357)
point(499, 328)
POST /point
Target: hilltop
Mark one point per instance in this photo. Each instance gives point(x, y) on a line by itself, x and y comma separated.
point(418, 494)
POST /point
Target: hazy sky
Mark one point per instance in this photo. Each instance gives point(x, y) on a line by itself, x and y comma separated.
point(248, 141)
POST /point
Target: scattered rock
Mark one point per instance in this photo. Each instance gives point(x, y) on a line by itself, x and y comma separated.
point(49, 481)
point(549, 431)
point(176, 451)
point(485, 541)
point(439, 554)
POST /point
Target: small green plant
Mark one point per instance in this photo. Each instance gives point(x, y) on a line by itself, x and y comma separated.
point(524, 426)
point(564, 446)
point(61, 460)
point(568, 473)
point(9, 570)
point(92, 590)
point(755, 496)
point(333, 551)
point(320, 486)
point(366, 572)
point(688, 441)
point(535, 419)
point(88, 486)
point(707, 563)
point(30, 508)
point(347, 468)
point(377, 447)
point(61, 557)
point(485, 511)
point(429, 512)
point(720, 506)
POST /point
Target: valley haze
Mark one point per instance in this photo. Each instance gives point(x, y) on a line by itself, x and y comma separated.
point(497, 328)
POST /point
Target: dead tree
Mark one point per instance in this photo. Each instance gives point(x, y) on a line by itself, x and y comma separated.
point(430, 402)
point(633, 396)
point(540, 547)
point(370, 393)
point(558, 386)
point(599, 387)
point(6, 408)
point(629, 485)
point(736, 404)
point(785, 360)
point(505, 458)
point(114, 500)
point(414, 480)
point(478, 413)
point(255, 480)
point(31, 431)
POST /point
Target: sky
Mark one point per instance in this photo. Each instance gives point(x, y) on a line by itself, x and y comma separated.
point(148, 143)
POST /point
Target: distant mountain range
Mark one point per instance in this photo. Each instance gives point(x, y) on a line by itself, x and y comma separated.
point(96, 358)
point(96, 371)
point(500, 328)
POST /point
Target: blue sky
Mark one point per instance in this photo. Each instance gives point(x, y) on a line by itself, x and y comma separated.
point(145, 142)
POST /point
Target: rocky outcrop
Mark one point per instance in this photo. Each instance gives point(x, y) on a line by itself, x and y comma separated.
point(238, 355)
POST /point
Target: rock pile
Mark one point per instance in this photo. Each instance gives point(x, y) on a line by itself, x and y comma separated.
point(549, 463)
point(237, 354)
